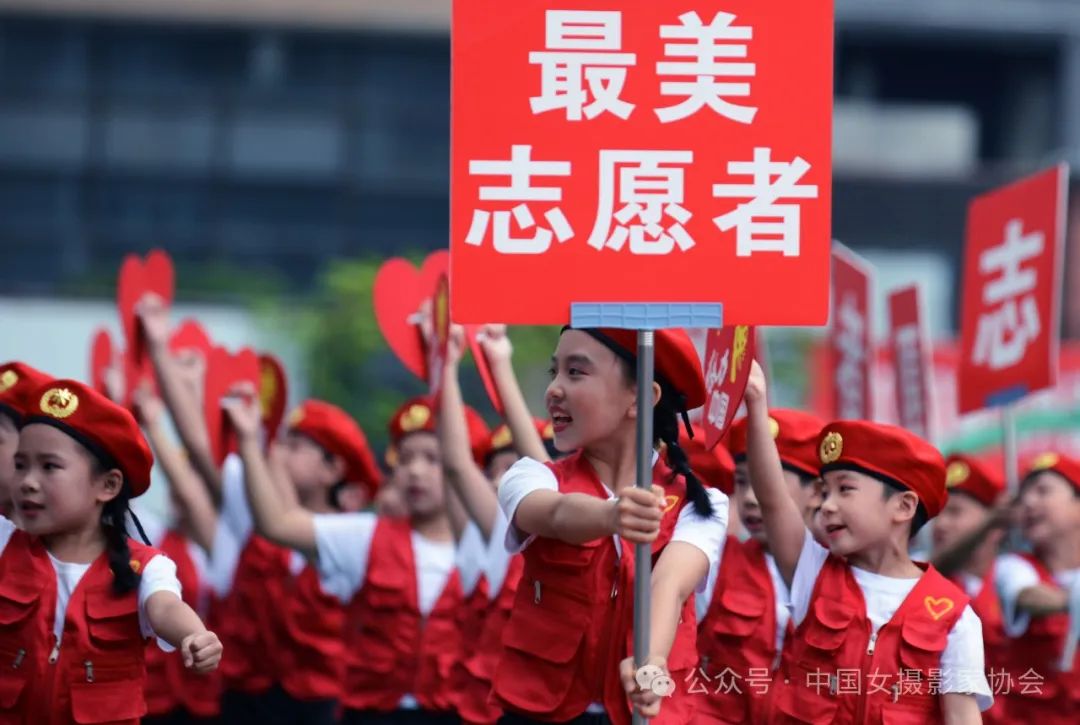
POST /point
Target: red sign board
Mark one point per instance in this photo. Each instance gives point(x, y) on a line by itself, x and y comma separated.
point(911, 360)
point(1011, 306)
point(850, 336)
point(728, 354)
point(639, 151)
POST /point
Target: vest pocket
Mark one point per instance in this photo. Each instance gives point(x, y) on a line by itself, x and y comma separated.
point(739, 613)
point(11, 687)
point(118, 702)
point(112, 621)
point(16, 603)
point(537, 668)
point(797, 702)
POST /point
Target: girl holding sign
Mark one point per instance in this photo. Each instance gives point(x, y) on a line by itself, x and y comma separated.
point(566, 645)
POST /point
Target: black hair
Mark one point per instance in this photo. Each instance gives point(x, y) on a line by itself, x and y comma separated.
point(666, 414)
point(114, 522)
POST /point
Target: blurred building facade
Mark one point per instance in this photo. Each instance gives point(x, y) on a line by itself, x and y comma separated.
point(280, 135)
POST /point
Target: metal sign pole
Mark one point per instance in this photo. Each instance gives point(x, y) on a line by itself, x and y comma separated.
point(1012, 472)
point(643, 552)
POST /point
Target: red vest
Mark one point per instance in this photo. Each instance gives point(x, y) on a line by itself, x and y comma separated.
point(1055, 698)
point(311, 644)
point(987, 606)
point(391, 649)
point(170, 685)
point(834, 639)
point(248, 622)
point(571, 621)
point(473, 688)
point(484, 659)
point(738, 633)
point(98, 672)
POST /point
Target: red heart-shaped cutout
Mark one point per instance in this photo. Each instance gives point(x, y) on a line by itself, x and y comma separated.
point(138, 278)
point(483, 368)
point(101, 359)
point(224, 370)
point(399, 291)
point(190, 336)
point(273, 393)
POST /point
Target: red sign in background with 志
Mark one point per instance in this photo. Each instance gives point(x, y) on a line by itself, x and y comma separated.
point(639, 151)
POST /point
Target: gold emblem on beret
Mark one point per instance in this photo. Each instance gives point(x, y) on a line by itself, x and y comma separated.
point(295, 417)
point(774, 428)
point(549, 430)
point(831, 447)
point(502, 438)
point(1045, 461)
point(956, 473)
point(7, 380)
point(59, 402)
point(415, 417)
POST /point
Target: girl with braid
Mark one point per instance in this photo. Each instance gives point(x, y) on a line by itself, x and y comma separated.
point(567, 648)
point(79, 600)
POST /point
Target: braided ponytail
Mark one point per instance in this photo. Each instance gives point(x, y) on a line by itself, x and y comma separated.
point(113, 515)
point(666, 429)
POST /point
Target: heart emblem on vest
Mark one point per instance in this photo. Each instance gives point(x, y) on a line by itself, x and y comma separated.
point(670, 502)
point(938, 607)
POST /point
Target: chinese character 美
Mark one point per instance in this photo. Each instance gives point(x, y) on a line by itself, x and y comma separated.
point(582, 46)
point(763, 224)
point(520, 168)
point(1004, 333)
point(639, 192)
point(709, 44)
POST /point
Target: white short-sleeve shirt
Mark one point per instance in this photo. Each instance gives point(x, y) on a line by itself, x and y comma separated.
point(344, 546)
point(159, 575)
point(471, 557)
point(1012, 575)
point(235, 526)
point(528, 475)
point(963, 669)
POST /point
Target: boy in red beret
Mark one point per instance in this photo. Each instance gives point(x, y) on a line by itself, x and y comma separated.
point(80, 599)
point(967, 535)
point(17, 382)
point(1036, 589)
point(878, 638)
point(744, 611)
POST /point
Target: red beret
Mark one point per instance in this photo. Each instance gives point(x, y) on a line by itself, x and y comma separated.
point(108, 430)
point(715, 468)
point(418, 415)
point(336, 432)
point(796, 436)
point(965, 474)
point(676, 359)
point(887, 452)
point(17, 385)
point(1066, 467)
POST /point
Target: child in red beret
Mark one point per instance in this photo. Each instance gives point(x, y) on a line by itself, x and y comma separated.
point(395, 577)
point(1036, 589)
point(744, 611)
point(566, 646)
point(878, 638)
point(80, 599)
point(17, 382)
